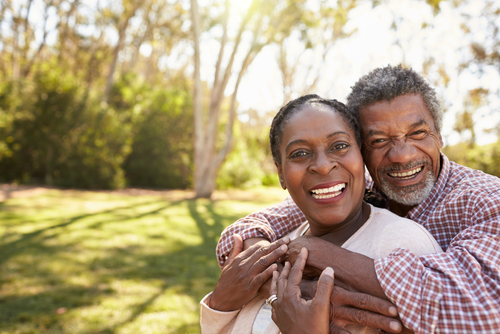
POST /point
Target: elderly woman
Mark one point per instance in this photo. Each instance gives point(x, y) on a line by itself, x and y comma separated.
point(315, 145)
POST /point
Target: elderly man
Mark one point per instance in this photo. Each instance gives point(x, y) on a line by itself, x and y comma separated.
point(457, 291)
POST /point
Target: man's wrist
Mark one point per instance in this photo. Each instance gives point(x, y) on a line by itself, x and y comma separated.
point(320, 255)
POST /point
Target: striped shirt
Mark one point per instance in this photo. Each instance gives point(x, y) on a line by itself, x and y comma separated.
point(457, 291)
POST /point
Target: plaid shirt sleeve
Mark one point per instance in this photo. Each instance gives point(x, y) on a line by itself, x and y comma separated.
point(271, 223)
point(453, 292)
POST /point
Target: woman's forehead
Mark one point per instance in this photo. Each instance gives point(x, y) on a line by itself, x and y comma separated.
point(315, 120)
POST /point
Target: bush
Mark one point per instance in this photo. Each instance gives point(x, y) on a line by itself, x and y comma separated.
point(162, 150)
point(485, 158)
point(59, 136)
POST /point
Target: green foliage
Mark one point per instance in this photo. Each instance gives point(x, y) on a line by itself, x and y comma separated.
point(485, 157)
point(54, 130)
point(58, 136)
point(162, 151)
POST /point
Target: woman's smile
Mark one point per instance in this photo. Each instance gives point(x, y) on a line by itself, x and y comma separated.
point(324, 192)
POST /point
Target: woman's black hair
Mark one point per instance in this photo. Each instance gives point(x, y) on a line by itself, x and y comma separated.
point(289, 109)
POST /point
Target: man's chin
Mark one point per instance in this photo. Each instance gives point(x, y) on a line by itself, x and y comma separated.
point(409, 195)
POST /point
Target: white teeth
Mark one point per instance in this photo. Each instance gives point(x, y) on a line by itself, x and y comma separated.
point(330, 192)
point(327, 196)
point(406, 174)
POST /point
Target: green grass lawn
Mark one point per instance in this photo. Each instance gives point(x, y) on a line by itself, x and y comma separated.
point(107, 262)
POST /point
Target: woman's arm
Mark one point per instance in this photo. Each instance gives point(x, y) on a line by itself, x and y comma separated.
point(269, 224)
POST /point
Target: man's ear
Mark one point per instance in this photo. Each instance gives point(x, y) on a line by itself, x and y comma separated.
point(441, 142)
point(280, 174)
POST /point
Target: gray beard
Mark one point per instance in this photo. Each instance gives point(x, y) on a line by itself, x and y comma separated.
point(409, 195)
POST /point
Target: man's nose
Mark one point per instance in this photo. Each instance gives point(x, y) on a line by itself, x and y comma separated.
point(402, 152)
point(322, 163)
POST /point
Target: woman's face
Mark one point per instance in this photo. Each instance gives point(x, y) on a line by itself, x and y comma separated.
point(322, 168)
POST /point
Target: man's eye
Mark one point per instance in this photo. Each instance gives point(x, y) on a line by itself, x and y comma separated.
point(379, 141)
point(418, 134)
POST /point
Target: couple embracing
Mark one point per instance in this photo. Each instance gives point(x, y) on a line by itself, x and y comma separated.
point(413, 246)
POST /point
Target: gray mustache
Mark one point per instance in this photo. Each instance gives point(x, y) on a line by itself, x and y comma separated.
point(401, 167)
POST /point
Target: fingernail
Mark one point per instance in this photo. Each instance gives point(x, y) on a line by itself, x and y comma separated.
point(286, 239)
point(395, 326)
point(393, 311)
point(283, 247)
point(328, 271)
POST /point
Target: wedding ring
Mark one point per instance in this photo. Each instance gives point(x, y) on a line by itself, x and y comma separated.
point(271, 299)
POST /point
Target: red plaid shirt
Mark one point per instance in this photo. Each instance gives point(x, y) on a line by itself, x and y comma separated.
point(457, 291)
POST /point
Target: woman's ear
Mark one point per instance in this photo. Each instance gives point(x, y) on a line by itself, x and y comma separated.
point(280, 174)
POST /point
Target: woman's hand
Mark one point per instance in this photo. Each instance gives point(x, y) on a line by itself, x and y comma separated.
point(244, 273)
point(292, 313)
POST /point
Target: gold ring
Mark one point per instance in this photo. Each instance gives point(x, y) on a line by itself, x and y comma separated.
point(271, 299)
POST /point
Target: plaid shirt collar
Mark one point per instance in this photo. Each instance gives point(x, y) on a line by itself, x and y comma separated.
point(434, 198)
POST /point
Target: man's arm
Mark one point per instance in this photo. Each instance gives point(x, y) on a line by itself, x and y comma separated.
point(355, 271)
point(269, 224)
point(456, 291)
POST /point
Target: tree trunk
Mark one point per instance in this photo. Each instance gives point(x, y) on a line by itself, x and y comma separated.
point(207, 161)
point(202, 186)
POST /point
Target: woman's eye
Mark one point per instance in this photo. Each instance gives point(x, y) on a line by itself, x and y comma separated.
point(340, 146)
point(298, 154)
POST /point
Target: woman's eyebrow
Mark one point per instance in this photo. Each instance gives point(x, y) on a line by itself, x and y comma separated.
point(338, 133)
point(303, 141)
point(297, 141)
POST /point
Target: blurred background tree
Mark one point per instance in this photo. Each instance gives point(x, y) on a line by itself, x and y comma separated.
point(180, 94)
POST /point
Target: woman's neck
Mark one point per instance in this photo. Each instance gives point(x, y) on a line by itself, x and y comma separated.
point(340, 233)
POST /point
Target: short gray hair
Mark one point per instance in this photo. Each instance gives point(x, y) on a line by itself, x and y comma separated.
point(387, 83)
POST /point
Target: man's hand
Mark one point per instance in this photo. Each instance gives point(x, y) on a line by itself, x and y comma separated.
point(244, 273)
point(308, 288)
point(358, 308)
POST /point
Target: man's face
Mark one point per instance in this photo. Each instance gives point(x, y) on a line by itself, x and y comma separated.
point(401, 148)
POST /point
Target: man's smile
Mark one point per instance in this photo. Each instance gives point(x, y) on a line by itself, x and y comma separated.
point(405, 175)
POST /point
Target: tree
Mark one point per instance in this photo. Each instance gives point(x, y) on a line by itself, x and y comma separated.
point(264, 23)
point(318, 33)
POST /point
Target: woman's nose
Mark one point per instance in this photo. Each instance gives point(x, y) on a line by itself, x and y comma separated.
point(322, 164)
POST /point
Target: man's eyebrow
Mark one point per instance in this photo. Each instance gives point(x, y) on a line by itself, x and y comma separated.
point(372, 132)
point(421, 122)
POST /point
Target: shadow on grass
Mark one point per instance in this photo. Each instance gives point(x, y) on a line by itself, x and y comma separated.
point(189, 270)
point(8, 249)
